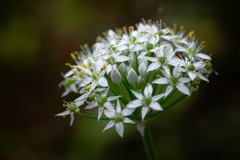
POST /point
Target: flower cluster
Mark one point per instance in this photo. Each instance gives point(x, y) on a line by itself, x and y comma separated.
point(129, 74)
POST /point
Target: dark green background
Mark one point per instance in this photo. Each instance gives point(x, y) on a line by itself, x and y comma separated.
point(36, 38)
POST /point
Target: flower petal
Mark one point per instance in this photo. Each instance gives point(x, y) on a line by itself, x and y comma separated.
point(153, 66)
point(155, 106)
point(192, 75)
point(127, 111)
point(148, 90)
point(204, 56)
point(138, 95)
point(157, 97)
point(118, 108)
point(72, 118)
point(92, 105)
point(109, 114)
point(161, 81)
point(109, 125)
point(119, 128)
point(122, 58)
point(134, 104)
point(127, 120)
point(182, 88)
point(113, 98)
point(63, 113)
point(168, 90)
point(100, 111)
point(144, 111)
point(103, 82)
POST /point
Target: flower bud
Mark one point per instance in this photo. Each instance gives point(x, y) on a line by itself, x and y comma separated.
point(132, 76)
point(143, 60)
point(140, 81)
point(116, 76)
point(132, 60)
point(122, 68)
point(68, 82)
point(142, 69)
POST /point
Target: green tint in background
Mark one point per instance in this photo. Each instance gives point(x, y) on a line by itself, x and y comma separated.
point(36, 38)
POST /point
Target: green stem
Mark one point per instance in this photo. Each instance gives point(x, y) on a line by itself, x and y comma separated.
point(176, 100)
point(148, 144)
point(84, 115)
point(170, 94)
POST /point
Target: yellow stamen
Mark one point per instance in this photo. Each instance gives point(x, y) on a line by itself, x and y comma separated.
point(175, 25)
point(93, 57)
point(89, 86)
point(75, 73)
point(171, 32)
point(130, 29)
point(78, 69)
point(81, 53)
point(191, 34)
point(72, 67)
point(181, 28)
point(91, 69)
point(90, 63)
point(84, 65)
point(73, 56)
point(80, 75)
point(85, 45)
point(104, 66)
point(67, 64)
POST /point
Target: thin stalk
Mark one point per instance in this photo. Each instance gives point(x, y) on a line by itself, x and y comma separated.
point(170, 94)
point(84, 115)
point(148, 144)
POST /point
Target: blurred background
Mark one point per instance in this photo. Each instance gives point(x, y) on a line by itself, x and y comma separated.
point(36, 39)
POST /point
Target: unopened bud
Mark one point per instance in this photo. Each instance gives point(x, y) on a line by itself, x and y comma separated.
point(132, 60)
point(116, 76)
point(122, 68)
point(140, 81)
point(142, 69)
point(132, 76)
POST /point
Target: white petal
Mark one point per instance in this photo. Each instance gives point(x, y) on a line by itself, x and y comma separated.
point(103, 82)
point(148, 90)
point(137, 47)
point(142, 54)
point(144, 111)
point(73, 87)
point(134, 104)
point(100, 110)
point(155, 106)
point(93, 86)
point(109, 106)
point(184, 80)
point(119, 128)
point(122, 58)
point(161, 81)
point(67, 91)
point(92, 105)
point(202, 55)
point(168, 90)
point(127, 111)
point(153, 66)
point(176, 61)
point(202, 77)
point(138, 95)
point(109, 125)
point(157, 97)
point(142, 39)
point(151, 59)
point(192, 75)
point(127, 120)
point(69, 73)
point(123, 47)
point(63, 113)
point(72, 118)
point(182, 88)
point(109, 114)
point(113, 98)
point(118, 108)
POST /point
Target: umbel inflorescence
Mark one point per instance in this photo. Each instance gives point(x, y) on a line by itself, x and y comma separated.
point(129, 74)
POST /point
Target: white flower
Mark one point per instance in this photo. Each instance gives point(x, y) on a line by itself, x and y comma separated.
point(117, 117)
point(147, 101)
point(101, 101)
point(71, 108)
point(173, 80)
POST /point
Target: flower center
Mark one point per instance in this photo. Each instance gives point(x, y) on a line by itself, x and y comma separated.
point(208, 65)
point(162, 60)
point(90, 97)
point(174, 80)
point(95, 75)
point(68, 82)
point(191, 50)
point(102, 100)
point(132, 39)
point(111, 60)
point(118, 117)
point(147, 100)
point(149, 46)
point(191, 67)
point(72, 107)
point(160, 33)
point(195, 81)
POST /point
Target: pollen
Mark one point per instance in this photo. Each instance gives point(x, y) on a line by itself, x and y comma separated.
point(191, 34)
point(93, 57)
point(104, 66)
point(181, 28)
point(89, 86)
point(78, 69)
point(72, 67)
point(73, 56)
point(84, 65)
point(67, 64)
point(171, 32)
point(91, 69)
point(90, 64)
